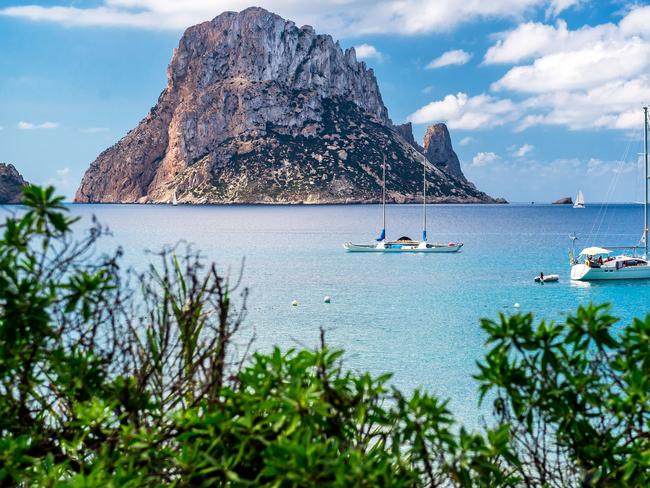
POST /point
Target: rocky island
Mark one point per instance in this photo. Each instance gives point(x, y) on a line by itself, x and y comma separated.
point(258, 110)
point(564, 201)
point(11, 184)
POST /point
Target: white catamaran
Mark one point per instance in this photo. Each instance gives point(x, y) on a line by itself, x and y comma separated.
point(600, 263)
point(403, 244)
point(580, 200)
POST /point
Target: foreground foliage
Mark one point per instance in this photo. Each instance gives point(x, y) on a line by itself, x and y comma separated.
point(112, 378)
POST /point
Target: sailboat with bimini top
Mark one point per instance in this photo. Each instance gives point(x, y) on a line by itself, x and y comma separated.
point(603, 262)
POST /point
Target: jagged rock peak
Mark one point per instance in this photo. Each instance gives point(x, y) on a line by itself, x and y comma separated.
point(438, 150)
point(11, 184)
point(406, 131)
point(257, 110)
point(277, 50)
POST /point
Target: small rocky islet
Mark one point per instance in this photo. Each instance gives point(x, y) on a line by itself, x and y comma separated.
point(564, 201)
point(258, 110)
point(11, 184)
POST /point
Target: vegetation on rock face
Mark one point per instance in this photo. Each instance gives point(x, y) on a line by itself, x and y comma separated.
point(111, 378)
point(343, 162)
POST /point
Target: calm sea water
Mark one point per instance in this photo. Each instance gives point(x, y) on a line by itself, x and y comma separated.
point(414, 315)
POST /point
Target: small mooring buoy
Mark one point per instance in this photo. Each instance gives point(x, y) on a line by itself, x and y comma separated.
point(294, 303)
point(327, 299)
point(516, 305)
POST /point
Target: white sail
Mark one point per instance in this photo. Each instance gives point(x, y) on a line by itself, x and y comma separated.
point(580, 200)
point(174, 202)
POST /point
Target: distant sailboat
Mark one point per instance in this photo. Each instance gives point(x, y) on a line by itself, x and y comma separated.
point(403, 244)
point(580, 200)
point(174, 201)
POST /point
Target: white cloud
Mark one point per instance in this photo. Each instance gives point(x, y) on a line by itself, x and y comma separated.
point(484, 158)
point(559, 6)
point(62, 181)
point(367, 51)
point(613, 105)
point(523, 150)
point(534, 39)
point(636, 22)
point(593, 77)
point(332, 16)
point(467, 140)
point(29, 125)
point(558, 178)
point(456, 57)
point(427, 89)
point(63, 175)
point(577, 69)
point(572, 59)
point(461, 111)
point(94, 130)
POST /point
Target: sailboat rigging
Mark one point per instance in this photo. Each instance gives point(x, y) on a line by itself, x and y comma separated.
point(382, 236)
point(599, 263)
point(403, 244)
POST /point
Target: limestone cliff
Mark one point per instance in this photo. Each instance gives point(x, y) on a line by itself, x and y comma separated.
point(438, 150)
point(257, 109)
point(406, 131)
point(11, 184)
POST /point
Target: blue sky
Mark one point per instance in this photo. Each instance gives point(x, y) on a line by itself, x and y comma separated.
point(542, 97)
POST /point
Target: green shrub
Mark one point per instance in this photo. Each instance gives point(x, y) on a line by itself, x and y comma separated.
point(113, 378)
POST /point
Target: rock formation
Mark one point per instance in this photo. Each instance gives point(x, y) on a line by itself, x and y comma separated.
point(564, 201)
point(257, 109)
point(11, 184)
point(406, 131)
point(438, 150)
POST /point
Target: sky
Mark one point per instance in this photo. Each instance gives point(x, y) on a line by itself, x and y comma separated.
point(542, 97)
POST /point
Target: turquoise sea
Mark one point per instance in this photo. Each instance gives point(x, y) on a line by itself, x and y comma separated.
point(414, 315)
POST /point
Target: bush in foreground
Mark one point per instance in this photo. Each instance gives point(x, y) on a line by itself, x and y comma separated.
point(112, 378)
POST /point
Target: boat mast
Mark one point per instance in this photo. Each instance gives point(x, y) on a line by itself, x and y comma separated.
point(424, 201)
point(383, 196)
point(645, 199)
point(383, 202)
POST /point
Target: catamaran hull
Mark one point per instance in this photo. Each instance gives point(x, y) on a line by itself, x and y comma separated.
point(581, 272)
point(429, 249)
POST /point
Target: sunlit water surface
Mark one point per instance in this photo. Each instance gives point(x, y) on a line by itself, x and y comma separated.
point(414, 315)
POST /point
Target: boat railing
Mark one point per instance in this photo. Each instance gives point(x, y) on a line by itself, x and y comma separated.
point(623, 247)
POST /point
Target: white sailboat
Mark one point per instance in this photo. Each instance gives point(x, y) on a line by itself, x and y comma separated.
point(580, 200)
point(601, 263)
point(174, 201)
point(403, 244)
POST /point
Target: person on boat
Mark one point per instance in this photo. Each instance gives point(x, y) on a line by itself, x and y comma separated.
point(541, 276)
point(600, 260)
